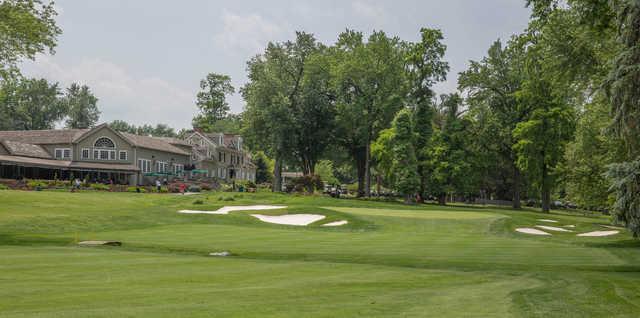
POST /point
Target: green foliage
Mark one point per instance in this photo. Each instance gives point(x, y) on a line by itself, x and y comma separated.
point(160, 130)
point(626, 185)
point(405, 167)
point(4, 187)
point(135, 189)
point(212, 99)
point(99, 187)
point(324, 169)
point(81, 105)
point(264, 167)
point(30, 104)
point(28, 27)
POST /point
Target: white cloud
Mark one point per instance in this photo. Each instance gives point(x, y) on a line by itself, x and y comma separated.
point(368, 9)
point(138, 100)
point(249, 33)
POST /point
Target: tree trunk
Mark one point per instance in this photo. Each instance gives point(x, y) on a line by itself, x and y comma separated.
point(277, 175)
point(367, 170)
point(378, 181)
point(442, 199)
point(360, 165)
point(546, 191)
point(423, 184)
point(516, 189)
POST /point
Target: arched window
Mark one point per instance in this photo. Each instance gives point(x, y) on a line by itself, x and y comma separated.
point(104, 142)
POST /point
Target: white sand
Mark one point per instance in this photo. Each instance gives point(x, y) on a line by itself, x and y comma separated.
point(547, 220)
point(613, 227)
point(336, 223)
point(290, 219)
point(527, 230)
point(570, 226)
point(227, 209)
point(600, 233)
point(552, 228)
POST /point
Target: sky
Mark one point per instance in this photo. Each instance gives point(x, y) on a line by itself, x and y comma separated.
point(144, 59)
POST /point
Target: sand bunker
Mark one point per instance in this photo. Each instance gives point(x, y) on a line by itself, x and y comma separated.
point(613, 227)
point(547, 220)
point(552, 228)
point(227, 209)
point(336, 223)
point(290, 219)
point(527, 230)
point(570, 226)
point(600, 233)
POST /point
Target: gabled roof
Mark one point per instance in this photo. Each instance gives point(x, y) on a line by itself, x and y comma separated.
point(153, 143)
point(17, 148)
point(43, 137)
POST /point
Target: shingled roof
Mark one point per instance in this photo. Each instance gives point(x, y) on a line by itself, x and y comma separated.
point(153, 143)
point(43, 137)
point(16, 148)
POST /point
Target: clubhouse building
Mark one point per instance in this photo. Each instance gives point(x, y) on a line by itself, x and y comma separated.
point(102, 154)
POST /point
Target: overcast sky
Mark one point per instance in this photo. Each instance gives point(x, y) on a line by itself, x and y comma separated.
point(144, 59)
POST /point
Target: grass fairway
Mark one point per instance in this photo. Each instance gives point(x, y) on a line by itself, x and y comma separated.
point(390, 260)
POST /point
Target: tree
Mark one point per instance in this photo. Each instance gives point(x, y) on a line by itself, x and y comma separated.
point(405, 165)
point(449, 160)
point(324, 169)
point(32, 104)
point(28, 27)
point(212, 99)
point(123, 126)
point(425, 67)
point(263, 167)
point(491, 85)
point(160, 130)
point(82, 111)
point(541, 138)
point(370, 86)
point(275, 97)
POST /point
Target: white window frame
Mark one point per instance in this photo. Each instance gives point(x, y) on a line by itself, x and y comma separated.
point(96, 154)
point(126, 155)
point(88, 150)
point(62, 153)
point(162, 166)
point(144, 165)
point(113, 142)
point(178, 168)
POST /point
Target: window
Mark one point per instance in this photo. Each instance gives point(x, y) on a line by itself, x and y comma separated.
point(86, 152)
point(123, 155)
point(96, 154)
point(112, 155)
point(161, 166)
point(144, 165)
point(178, 168)
point(104, 142)
point(62, 153)
point(220, 156)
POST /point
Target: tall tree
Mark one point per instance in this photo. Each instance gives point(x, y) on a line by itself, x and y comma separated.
point(82, 108)
point(273, 95)
point(405, 164)
point(28, 27)
point(491, 84)
point(541, 138)
point(425, 67)
point(370, 85)
point(212, 99)
point(33, 104)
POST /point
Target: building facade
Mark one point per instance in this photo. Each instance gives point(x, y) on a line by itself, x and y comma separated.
point(102, 154)
point(221, 156)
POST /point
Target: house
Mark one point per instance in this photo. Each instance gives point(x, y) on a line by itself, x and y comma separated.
point(102, 154)
point(221, 156)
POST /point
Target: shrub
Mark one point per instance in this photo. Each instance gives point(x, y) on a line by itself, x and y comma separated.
point(99, 187)
point(194, 188)
point(305, 183)
point(205, 186)
point(37, 184)
point(228, 199)
point(134, 189)
point(198, 202)
point(3, 187)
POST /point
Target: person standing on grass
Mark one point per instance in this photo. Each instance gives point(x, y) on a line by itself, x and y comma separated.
point(183, 187)
point(158, 185)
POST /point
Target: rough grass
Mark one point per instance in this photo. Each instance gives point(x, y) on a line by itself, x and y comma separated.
point(391, 260)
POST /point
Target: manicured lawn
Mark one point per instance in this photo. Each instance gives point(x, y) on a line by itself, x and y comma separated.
point(390, 260)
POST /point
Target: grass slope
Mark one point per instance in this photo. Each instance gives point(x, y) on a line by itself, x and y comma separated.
point(389, 261)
